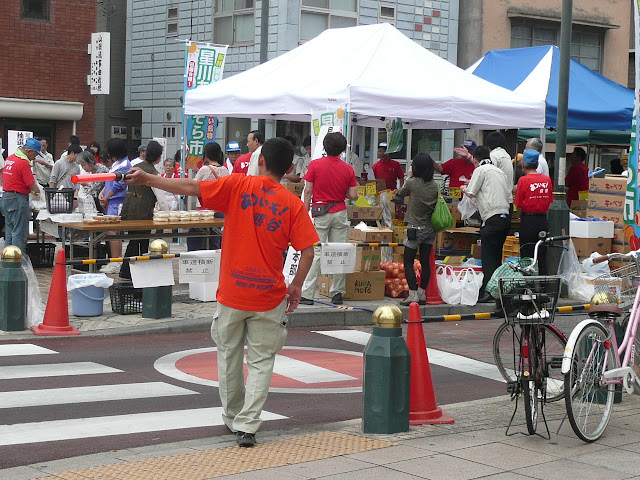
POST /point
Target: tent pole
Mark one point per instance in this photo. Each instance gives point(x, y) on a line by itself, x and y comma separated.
point(409, 142)
point(543, 138)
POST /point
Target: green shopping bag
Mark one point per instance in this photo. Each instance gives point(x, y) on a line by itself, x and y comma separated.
point(441, 218)
point(505, 271)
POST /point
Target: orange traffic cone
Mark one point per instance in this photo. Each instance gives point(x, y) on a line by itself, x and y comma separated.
point(433, 296)
point(423, 409)
point(56, 315)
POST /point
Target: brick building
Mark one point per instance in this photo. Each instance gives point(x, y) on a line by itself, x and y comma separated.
point(44, 68)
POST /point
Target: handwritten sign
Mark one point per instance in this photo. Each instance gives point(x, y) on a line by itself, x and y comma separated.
point(338, 258)
point(100, 50)
point(291, 265)
point(16, 139)
point(199, 266)
point(152, 273)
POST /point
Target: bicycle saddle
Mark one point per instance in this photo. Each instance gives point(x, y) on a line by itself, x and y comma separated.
point(606, 308)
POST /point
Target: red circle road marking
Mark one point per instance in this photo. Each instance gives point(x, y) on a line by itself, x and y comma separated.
point(329, 370)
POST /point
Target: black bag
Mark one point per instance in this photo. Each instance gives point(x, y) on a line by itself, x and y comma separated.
point(412, 233)
point(320, 210)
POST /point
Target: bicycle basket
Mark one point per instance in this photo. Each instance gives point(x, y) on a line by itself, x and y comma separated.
point(529, 300)
point(622, 282)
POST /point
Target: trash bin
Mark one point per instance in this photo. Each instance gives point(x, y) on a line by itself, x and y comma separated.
point(88, 292)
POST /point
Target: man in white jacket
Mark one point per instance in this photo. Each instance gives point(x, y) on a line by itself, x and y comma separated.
point(496, 142)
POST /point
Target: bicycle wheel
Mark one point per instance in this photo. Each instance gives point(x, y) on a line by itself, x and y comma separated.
point(530, 390)
point(507, 362)
point(588, 400)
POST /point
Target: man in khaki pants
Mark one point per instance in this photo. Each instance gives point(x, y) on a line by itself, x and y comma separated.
point(328, 181)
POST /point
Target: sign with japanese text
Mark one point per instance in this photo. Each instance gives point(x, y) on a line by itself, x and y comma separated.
point(16, 139)
point(338, 258)
point(199, 266)
point(325, 118)
point(204, 65)
point(100, 76)
point(291, 265)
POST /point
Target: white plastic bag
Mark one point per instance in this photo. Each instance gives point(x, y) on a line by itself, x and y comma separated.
point(35, 312)
point(467, 207)
point(595, 269)
point(88, 280)
point(470, 283)
point(449, 286)
point(571, 273)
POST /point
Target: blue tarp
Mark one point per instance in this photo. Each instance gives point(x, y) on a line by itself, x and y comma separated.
point(595, 102)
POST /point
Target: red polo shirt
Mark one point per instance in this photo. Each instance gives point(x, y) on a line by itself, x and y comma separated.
point(242, 164)
point(331, 179)
point(534, 193)
point(390, 172)
point(17, 175)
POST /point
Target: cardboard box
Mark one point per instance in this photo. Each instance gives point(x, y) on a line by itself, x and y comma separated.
point(454, 260)
point(399, 234)
point(371, 235)
point(359, 285)
point(295, 187)
point(398, 258)
point(614, 184)
point(579, 208)
point(593, 229)
point(364, 213)
point(368, 259)
point(586, 246)
point(455, 214)
point(380, 185)
point(619, 236)
point(620, 247)
point(606, 201)
point(606, 215)
point(456, 241)
point(398, 250)
point(476, 251)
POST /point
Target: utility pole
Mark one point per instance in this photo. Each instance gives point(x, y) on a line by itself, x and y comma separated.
point(264, 46)
point(559, 211)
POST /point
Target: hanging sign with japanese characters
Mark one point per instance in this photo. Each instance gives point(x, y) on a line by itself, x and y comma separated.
point(204, 65)
point(335, 119)
point(199, 266)
point(338, 258)
point(291, 265)
point(16, 139)
point(100, 50)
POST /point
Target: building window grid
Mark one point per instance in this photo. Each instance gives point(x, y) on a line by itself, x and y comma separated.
point(387, 14)
point(35, 10)
point(319, 15)
point(234, 22)
point(172, 20)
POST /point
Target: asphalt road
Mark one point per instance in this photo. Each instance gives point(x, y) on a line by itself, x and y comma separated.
point(63, 397)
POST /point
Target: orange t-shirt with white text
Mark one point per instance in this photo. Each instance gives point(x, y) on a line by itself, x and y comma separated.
point(261, 218)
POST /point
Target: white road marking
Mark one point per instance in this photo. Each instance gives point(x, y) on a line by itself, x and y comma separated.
point(306, 372)
point(23, 349)
point(56, 430)
point(54, 370)
point(436, 357)
point(98, 393)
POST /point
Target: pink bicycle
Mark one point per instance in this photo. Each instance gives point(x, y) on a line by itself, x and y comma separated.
point(593, 363)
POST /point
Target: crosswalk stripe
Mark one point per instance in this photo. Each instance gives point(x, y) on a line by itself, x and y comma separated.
point(98, 393)
point(306, 372)
point(436, 357)
point(20, 434)
point(23, 349)
point(54, 370)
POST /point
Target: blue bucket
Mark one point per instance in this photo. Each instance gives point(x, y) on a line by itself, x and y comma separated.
point(88, 301)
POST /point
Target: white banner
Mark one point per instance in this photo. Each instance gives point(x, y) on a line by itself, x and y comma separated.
point(337, 258)
point(100, 50)
point(152, 273)
point(199, 266)
point(291, 265)
point(15, 139)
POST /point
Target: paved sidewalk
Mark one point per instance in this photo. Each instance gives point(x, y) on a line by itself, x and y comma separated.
point(475, 446)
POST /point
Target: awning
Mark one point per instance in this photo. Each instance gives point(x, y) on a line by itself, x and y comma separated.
point(40, 109)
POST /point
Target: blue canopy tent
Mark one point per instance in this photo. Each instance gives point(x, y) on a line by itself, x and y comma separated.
point(595, 102)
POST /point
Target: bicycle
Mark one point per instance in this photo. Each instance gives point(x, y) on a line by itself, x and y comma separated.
point(536, 345)
point(594, 364)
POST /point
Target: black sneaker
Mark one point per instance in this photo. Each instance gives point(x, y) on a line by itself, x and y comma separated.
point(337, 299)
point(305, 301)
point(245, 439)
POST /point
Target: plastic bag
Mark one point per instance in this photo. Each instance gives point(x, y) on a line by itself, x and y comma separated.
point(38, 202)
point(467, 207)
point(470, 283)
point(35, 312)
point(441, 218)
point(449, 286)
point(504, 271)
point(571, 273)
point(595, 269)
point(88, 280)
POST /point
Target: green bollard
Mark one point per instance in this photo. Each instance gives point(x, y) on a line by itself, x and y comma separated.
point(13, 291)
point(387, 375)
point(156, 301)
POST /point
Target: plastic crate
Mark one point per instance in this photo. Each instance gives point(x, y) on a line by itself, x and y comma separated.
point(59, 201)
point(42, 255)
point(125, 299)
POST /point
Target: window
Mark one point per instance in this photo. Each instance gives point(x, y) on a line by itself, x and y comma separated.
point(172, 21)
point(234, 22)
point(119, 132)
point(586, 42)
point(387, 14)
point(35, 10)
point(318, 15)
point(168, 131)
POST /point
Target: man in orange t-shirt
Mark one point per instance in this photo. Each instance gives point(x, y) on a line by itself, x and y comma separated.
point(261, 218)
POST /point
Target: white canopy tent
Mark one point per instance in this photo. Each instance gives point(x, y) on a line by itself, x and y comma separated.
point(375, 71)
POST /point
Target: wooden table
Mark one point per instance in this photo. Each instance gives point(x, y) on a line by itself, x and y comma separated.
point(136, 230)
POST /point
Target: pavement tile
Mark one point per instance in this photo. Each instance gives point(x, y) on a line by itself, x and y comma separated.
point(503, 456)
point(559, 446)
point(382, 473)
point(443, 467)
point(325, 467)
point(615, 459)
point(565, 469)
point(21, 473)
point(387, 455)
point(275, 473)
point(446, 443)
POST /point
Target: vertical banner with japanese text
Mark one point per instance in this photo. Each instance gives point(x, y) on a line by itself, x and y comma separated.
point(327, 118)
point(204, 64)
point(16, 139)
point(632, 204)
point(100, 77)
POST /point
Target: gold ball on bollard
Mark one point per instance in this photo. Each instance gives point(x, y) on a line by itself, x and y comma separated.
point(158, 247)
point(11, 254)
point(387, 316)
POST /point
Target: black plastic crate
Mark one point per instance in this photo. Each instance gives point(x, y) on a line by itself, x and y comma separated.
point(42, 255)
point(125, 299)
point(59, 201)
